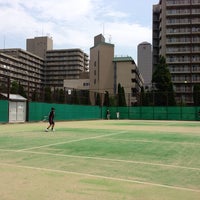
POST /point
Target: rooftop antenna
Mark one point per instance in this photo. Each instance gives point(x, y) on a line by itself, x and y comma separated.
point(103, 29)
point(110, 38)
point(36, 32)
point(4, 41)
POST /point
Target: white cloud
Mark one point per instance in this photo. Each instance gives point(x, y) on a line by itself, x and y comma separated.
point(128, 34)
point(58, 10)
point(71, 23)
point(116, 14)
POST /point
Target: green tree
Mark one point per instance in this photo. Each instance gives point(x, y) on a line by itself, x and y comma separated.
point(106, 99)
point(121, 96)
point(17, 88)
point(113, 101)
point(119, 90)
point(75, 99)
point(164, 94)
point(14, 87)
point(21, 91)
point(3, 88)
point(144, 98)
point(56, 95)
point(47, 95)
point(61, 96)
point(35, 96)
point(85, 97)
point(98, 100)
point(196, 94)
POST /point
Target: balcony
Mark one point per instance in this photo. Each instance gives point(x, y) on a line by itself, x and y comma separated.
point(178, 12)
point(178, 3)
point(178, 32)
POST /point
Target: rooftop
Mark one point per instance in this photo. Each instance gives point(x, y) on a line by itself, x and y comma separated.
point(123, 59)
point(14, 97)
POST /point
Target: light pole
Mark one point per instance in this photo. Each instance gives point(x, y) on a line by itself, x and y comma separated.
point(69, 95)
point(153, 89)
point(7, 74)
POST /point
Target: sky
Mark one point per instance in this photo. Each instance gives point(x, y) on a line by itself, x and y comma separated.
point(75, 23)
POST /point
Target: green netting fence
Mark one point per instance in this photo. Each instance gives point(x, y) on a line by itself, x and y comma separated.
point(37, 111)
point(40, 111)
point(4, 117)
point(157, 113)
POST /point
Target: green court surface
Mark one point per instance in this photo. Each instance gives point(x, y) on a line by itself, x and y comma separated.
point(101, 160)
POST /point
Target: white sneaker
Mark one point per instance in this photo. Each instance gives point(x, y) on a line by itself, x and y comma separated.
point(46, 130)
point(53, 130)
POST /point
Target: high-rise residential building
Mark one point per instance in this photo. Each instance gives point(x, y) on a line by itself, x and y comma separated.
point(107, 71)
point(64, 64)
point(39, 45)
point(179, 43)
point(40, 67)
point(155, 34)
point(24, 67)
point(145, 61)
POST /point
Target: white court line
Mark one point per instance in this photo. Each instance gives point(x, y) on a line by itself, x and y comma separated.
point(160, 142)
point(105, 159)
point(102, 177)
point(71, 141)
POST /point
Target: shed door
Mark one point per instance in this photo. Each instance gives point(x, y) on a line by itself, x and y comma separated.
point(21, 108)
point(17, 111)
point(12, 111)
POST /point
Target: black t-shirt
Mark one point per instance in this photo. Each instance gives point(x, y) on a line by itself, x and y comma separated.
point(51, 115)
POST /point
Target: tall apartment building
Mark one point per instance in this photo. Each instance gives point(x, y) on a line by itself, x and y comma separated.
point(39, 45)
point(40, 67)
point(179, 43)
point(60, 64)
point(107, 71)
point(24, 67)
point(155, 35)
point(145, 61)
point(64, 64)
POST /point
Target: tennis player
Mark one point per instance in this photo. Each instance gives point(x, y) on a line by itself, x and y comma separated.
point(51, 120)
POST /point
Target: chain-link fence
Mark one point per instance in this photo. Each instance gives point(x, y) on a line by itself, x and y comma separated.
point(88, 97)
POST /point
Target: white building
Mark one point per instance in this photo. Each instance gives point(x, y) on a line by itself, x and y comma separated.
point(145, 61)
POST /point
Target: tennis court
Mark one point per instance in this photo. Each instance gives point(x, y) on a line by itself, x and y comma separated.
point(101, 160)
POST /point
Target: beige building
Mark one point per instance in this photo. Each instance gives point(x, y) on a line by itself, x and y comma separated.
point(39, 45)
point(179, 43)
point(83, 83)
point(107, 71)
point(64, 64)
point(127, 74)
point(101, 67)
point(79, 84)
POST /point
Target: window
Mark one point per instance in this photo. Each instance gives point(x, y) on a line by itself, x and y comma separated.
point(133, 80)
point(85, 84)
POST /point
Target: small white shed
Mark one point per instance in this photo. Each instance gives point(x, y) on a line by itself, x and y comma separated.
point(17, 107)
